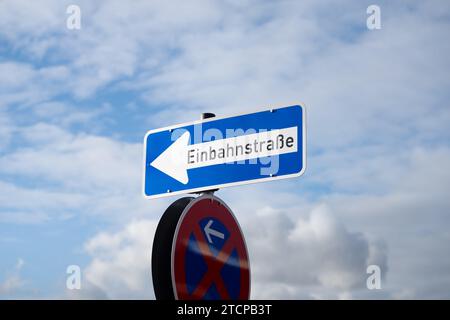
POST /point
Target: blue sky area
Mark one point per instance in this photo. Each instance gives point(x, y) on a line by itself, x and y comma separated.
point(75, 106)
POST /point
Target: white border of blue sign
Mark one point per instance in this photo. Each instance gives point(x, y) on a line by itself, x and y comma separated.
point(231, 184)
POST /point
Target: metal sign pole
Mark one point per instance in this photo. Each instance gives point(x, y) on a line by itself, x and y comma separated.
point(206, 115)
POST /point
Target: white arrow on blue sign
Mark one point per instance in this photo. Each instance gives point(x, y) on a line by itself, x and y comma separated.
point(221, 152)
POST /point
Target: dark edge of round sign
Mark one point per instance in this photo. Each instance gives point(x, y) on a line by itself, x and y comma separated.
point(162, 249)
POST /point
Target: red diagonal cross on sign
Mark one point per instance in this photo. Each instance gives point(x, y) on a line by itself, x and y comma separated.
point(214, 264)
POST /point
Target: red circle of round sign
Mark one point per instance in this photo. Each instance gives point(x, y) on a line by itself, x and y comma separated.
point(209, 255)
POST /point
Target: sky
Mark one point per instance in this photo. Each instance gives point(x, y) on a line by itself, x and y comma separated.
point(75, 106)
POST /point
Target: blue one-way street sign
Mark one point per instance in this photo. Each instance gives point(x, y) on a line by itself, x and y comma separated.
point(221, 152)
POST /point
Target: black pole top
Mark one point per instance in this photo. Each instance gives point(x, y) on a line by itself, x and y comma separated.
point(207, 115)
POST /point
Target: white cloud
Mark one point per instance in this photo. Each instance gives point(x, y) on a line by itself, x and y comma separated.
point(29, 205)
point(14, 75)
point(75, 174)
point(19, 17)
point(67, 115)
point(412, 217)
point(6, 130)
point(120, 265)
point(13, 282)
point(307, 255)
point(75, 160)
point(23, 85)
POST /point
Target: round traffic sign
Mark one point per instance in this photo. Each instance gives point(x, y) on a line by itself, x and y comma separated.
point(208, 256)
